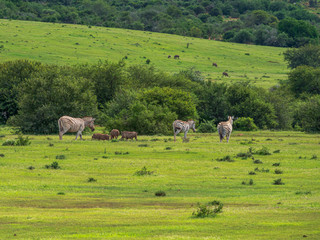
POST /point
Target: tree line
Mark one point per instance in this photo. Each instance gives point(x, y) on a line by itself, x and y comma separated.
point(141, 98)
point(262, 22)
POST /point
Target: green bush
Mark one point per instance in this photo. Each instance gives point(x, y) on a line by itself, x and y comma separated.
point(207, 127)
point(9, 143)
point(23, 141)
point(245, 124)
point(210, 209)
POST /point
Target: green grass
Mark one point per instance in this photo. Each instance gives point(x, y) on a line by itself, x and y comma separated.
point(56, 43)
point(43, 203)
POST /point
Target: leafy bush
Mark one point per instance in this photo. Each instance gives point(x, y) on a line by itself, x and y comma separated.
point(245, 124)
point(143, 172)
point(207, 127)
point(91, 179)
point(9, 143)
point(277, 171)
point(22, 141)
point(60, 157)
point(225, 159)
point(53, 165)
point(210, 209)
point(263, 151)
point(160, 193)
point(278, 182)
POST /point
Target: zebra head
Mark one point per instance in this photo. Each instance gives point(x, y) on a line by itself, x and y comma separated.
point(230, 118)
point(89, 122)
point(192, 125)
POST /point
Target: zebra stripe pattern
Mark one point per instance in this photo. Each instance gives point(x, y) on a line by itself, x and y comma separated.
point(225, 128)
point(70, 124)
point(182, 126)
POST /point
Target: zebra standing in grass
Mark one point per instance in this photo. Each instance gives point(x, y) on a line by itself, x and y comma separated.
point(69, 124)
point(225, 128)
point(182, 126)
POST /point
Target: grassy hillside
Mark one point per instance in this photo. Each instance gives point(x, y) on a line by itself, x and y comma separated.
point(73, 44)
point(41, 203)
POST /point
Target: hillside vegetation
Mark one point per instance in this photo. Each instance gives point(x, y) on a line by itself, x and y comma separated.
point(271, 23)
point(76, 44)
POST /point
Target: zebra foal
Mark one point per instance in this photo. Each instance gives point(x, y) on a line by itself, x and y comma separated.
point(225, 128)
point(70, 124)
point(182, 126)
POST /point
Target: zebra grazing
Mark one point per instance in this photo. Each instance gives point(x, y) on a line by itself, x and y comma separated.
point(182, 126)
point(225, 128)
point(69, 124)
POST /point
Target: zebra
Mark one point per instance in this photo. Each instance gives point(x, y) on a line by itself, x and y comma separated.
point(70, 124)
point(225, 128)
point(183, 126)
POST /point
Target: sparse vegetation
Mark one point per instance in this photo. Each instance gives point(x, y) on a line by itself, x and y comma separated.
point(210, 209)
point(143, 172)
point(160, 193)
point(225, 159)
point(53, 165)
point(278, 182)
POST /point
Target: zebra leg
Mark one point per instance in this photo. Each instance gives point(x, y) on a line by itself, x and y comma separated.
point(228, 137)
point(221, 137)
point(185, 135)
point(78, 133)
point(176, 132)
point(61, 132)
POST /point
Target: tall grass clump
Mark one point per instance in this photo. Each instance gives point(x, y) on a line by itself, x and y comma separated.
point(210, 209)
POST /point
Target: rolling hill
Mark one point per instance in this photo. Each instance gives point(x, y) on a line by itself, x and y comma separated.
point(64, 44)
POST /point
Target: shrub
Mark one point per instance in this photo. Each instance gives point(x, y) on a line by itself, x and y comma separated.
point(9, 143)
point(1, 155)
point(314, 157)
point(225, 159)
point(277, 171)
point(53, 165)
point(143, 172)
point(61, 193)
point(60, 157)
point(276, 151)
point(143, 145)
point(31, 167)
point(22, 141)
point(252, 173)
point(263, 151)
point(278, 182)
point(257, 161)
point(245, 124)
point(276, 164)
point(160, 193)
point(210, 209)
point(207, 127)
point(91, 179)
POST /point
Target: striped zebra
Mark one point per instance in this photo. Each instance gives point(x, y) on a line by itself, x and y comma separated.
point(69, 124)
point(225, 128)
point(182, 126)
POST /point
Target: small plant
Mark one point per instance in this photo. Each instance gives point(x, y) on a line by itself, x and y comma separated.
point(91, 179)
point(257, 161)
point(314, 157)
point(263, 151)
point(31, 167)
point(53, 165)
point(51, 144)
point(304, 193)
point(114, 140)
point(61, 193)
point(278, 182)
point(105, 157)
point(143, 172)
point(276, 164)
point(148, 61)
point(225, 159)
point(160, 193)
point(60, 157)
point(1, 155)
point(168, 148)
point(252, 173)
point(277, 171)
point(276, 151)
point(251, 182)
point(143, 145)
point(9, 143)
point(210, 209)
point(23, 141)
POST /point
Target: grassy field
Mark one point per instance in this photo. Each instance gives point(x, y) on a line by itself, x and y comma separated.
point(41, 203)
point(73, 44)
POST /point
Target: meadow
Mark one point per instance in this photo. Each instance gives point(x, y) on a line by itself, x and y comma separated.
point(67, 44)
point(97, 192)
